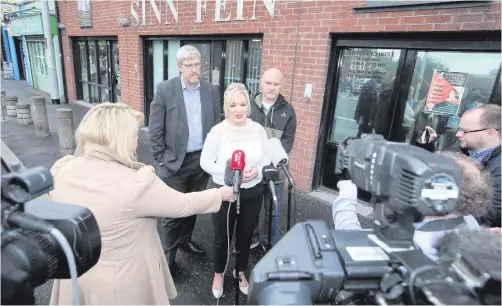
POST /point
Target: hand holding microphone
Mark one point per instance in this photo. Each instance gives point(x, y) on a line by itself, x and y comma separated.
point(227, 193)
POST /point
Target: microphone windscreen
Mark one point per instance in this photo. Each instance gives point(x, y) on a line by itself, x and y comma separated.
point(270, 173)
point(276, 151)
point(238, 161)
point(229, 174)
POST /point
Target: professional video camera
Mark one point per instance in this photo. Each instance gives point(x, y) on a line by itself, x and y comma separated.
point(313, 264)
point(42, 240)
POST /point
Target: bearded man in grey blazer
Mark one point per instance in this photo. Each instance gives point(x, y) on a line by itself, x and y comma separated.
point(182, 112)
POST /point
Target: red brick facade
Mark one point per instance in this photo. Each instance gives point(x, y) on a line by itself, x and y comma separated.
point(316, 21)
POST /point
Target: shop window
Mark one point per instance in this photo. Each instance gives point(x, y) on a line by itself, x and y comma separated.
point(97, 70)
point(365, 83)
point(445, 85)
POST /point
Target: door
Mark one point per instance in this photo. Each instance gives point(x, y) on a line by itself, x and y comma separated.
point(20, 59)
point(364, 100)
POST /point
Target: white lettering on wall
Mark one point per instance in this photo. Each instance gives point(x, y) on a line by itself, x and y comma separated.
point(134, 13)
point(200, 10)
point(156, 11)
point(269, 4)
point(240, 10)
point(174, 10)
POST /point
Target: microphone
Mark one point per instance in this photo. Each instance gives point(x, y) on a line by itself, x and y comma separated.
point(237, 163)
point(280, 157)
point(270, 175)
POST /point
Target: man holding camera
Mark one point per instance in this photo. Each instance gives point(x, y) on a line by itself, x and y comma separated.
point(479, 138)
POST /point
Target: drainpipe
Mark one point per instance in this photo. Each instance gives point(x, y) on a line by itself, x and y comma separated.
point(60, 39)
point(49, 52)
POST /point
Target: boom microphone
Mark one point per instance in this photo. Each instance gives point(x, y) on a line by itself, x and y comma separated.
point(280, 157)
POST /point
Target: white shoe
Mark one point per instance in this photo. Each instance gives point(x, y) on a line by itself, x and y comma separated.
point(244, 289)
point(217, 293)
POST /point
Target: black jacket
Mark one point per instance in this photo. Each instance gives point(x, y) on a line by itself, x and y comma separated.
point(491, 164)
point(280, 121)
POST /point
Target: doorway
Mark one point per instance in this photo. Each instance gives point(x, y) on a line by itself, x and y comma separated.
point(20, 58)
point(382, 84)
point(224, 61)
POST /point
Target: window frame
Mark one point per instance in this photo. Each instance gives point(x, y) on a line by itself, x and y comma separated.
point(475, 41)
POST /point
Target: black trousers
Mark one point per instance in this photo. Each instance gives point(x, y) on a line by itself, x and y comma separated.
point(250, 204)
point(189, 178)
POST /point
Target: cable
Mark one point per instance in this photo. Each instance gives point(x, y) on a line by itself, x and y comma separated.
point(277, 236)
point(70, 258)
point(413, 276)
point(228, 245)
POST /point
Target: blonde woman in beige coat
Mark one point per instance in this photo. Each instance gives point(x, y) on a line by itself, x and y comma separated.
point(125, 197)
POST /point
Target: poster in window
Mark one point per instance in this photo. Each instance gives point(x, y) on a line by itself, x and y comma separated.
point(445, 93)
point(84, 13)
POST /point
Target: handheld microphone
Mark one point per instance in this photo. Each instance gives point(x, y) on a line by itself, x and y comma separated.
point(237, 163)
point(280, 157)
point(270, 175)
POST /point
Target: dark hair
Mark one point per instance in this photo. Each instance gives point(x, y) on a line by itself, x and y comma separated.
point(476, 186)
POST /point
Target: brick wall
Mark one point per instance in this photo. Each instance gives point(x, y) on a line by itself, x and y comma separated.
point(317, 20)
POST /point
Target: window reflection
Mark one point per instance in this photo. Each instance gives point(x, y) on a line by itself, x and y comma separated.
point(443, 87)
point(366, 81)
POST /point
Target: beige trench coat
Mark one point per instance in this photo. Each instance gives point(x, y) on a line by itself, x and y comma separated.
point(125, 199)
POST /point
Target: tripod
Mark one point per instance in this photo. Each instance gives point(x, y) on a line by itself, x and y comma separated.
point(268, 244)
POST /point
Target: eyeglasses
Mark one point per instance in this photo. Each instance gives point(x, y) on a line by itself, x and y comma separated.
point(196, 65)
point(474, 131)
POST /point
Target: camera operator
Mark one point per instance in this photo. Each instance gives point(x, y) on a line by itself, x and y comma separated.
point(475, 198)
point(478, 137)
point(125, 196)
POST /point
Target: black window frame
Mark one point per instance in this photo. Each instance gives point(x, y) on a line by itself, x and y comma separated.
point(410, 44)
point(77, 69)
point(148, 60)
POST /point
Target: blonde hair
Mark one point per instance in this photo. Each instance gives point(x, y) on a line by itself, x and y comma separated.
point(231, 92)
point(111, 125)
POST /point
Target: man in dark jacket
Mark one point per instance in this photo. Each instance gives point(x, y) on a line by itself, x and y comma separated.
point(478, 137)
point(278, 117)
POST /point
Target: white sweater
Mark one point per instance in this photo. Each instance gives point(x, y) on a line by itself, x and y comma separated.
point(224, 139)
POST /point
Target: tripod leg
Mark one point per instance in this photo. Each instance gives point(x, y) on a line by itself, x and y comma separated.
point(237, 278)
point(271, 203)
point(289, 207)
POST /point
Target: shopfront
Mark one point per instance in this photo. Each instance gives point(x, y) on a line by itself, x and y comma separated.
point(97, 69)
point(395, 87)
point(224, 61)
point(350, 66)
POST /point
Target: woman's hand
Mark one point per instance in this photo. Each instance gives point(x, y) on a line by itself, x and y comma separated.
point(227, 193)
point(249, 174)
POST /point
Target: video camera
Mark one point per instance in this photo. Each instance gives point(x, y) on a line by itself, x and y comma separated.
point(314, 264)
point(41, 239)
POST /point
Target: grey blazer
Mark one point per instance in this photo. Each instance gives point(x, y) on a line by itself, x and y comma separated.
point(168, 124)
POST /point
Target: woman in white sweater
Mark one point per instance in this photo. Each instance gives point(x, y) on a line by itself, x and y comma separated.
point(236, 132)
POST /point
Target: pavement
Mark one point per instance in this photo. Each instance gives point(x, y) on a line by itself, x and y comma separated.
point(194, 280)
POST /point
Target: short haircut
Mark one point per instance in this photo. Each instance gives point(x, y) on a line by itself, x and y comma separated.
point(187, 53)
point(231, 92)
point(491, 116)
point(475, 188)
